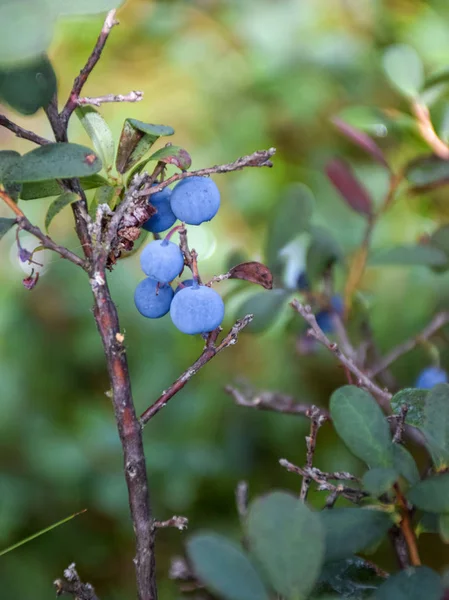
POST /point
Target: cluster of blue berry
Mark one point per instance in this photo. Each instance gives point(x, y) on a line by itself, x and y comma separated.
point(194, 308)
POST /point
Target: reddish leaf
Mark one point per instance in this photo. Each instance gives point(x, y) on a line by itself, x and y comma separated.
point(173, 155)
point(362, 140)
point(255, 272)
point(350, 188)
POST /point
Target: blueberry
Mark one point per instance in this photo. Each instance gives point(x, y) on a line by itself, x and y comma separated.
point(153, 301)
point(183, 284)
point(162, 260)
point(324, 317)
point(164, 218)
point(430, 376)
point(302, 283)
point(197, 309)
point(195, 200)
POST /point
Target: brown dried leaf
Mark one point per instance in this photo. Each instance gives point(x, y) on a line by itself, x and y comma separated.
point(255, 272)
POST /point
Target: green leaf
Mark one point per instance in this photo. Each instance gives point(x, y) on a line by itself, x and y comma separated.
point(362, 426)
point(322, 252)
point(440, 240)
point(135, 141)
point(83, 7)
point(224, 568)
point(351, 530)
point(28, 87)
point(265, 306)
point(55, 161)
point(292, 217)
point(100, 134)
point(415, 400)
point(45, 189)
point(27, 30)
point(57, 205)
point(352, 578)
point(415, 583)
point(432, 494)
point(443, 527)
point(379, 480)
point(5, 225)
point(7, 159)
point(409, 255)
point(404, 69)
point(429, 523)
point(287, 539)
point(173, 155)
point(436, 424)
point(427, 171)
point(41, 532)
point(405, 464)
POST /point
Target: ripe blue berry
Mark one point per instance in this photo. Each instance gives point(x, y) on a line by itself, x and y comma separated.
point(183, 284)
point(324, 317)
point(430, 376)
point(162, 260)
point(151, 300)
point(197, 309)
point(195, 200)
point(164, 218)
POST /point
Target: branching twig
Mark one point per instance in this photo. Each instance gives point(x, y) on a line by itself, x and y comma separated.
point(72, 585)
point(439, 321)
point(316, 420)
point(20, 132)
point(407, 527)
point(274, 401)
point(400, 425)
point(79, 82)
point(315, 331)
point(427, 130)
point(208, 353)
point(134, 96)
point(180, 523)
point(190, 256)
point(46, 241)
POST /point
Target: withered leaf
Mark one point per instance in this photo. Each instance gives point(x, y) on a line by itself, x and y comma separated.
point(255, 272)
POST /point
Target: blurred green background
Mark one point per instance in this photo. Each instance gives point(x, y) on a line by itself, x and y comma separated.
point(231, 76)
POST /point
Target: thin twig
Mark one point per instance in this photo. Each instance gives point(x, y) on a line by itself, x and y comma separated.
point(190, 256)
point(79, 82)
point(180, 523)
point(20, 132)
point(322, 479)
point(274, 401)
point(315, 331)
point(208, 354)
point(316, 420)
point(241, 499)
point(427, 130)
point(134, 96)
point(46, 241)
point(72, 585)
point(407, 528)
point(400, 425)
point(439, 321)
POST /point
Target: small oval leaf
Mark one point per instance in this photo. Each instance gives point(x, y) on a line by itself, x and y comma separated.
point(414, 583)
point(415, 400)
point(46, 189)
point(57, 205)
point(98, 131)
point(287, 539)
point(405, 464)
point(379, 480)
point(5, 225)
point(404, 69)
point(432, 494)
point(224, 568)
point(349, 187)
point(173, 155)
point(427, 172)
point(255, 272)
point(362, 425)
point(55, 161)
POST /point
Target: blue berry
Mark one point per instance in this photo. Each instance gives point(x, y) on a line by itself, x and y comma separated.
point(195, 200)
point(324, 317)
point(430, 376)
point(302, 283)
point(164, 218)
point(185, 283)
point(151, 300)
point(197, 309)
point(162, 260)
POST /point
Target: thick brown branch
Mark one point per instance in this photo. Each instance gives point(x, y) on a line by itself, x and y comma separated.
point(274, 401)
point(315, 331)
point(439, 321)
point(46, 241)
point(20, 132)
point(72, 585)
point(79, 82)
point(130, 435)
point(208, 354)
point(133, 96)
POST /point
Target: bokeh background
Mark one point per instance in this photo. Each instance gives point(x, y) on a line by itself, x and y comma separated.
point(231, 76)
